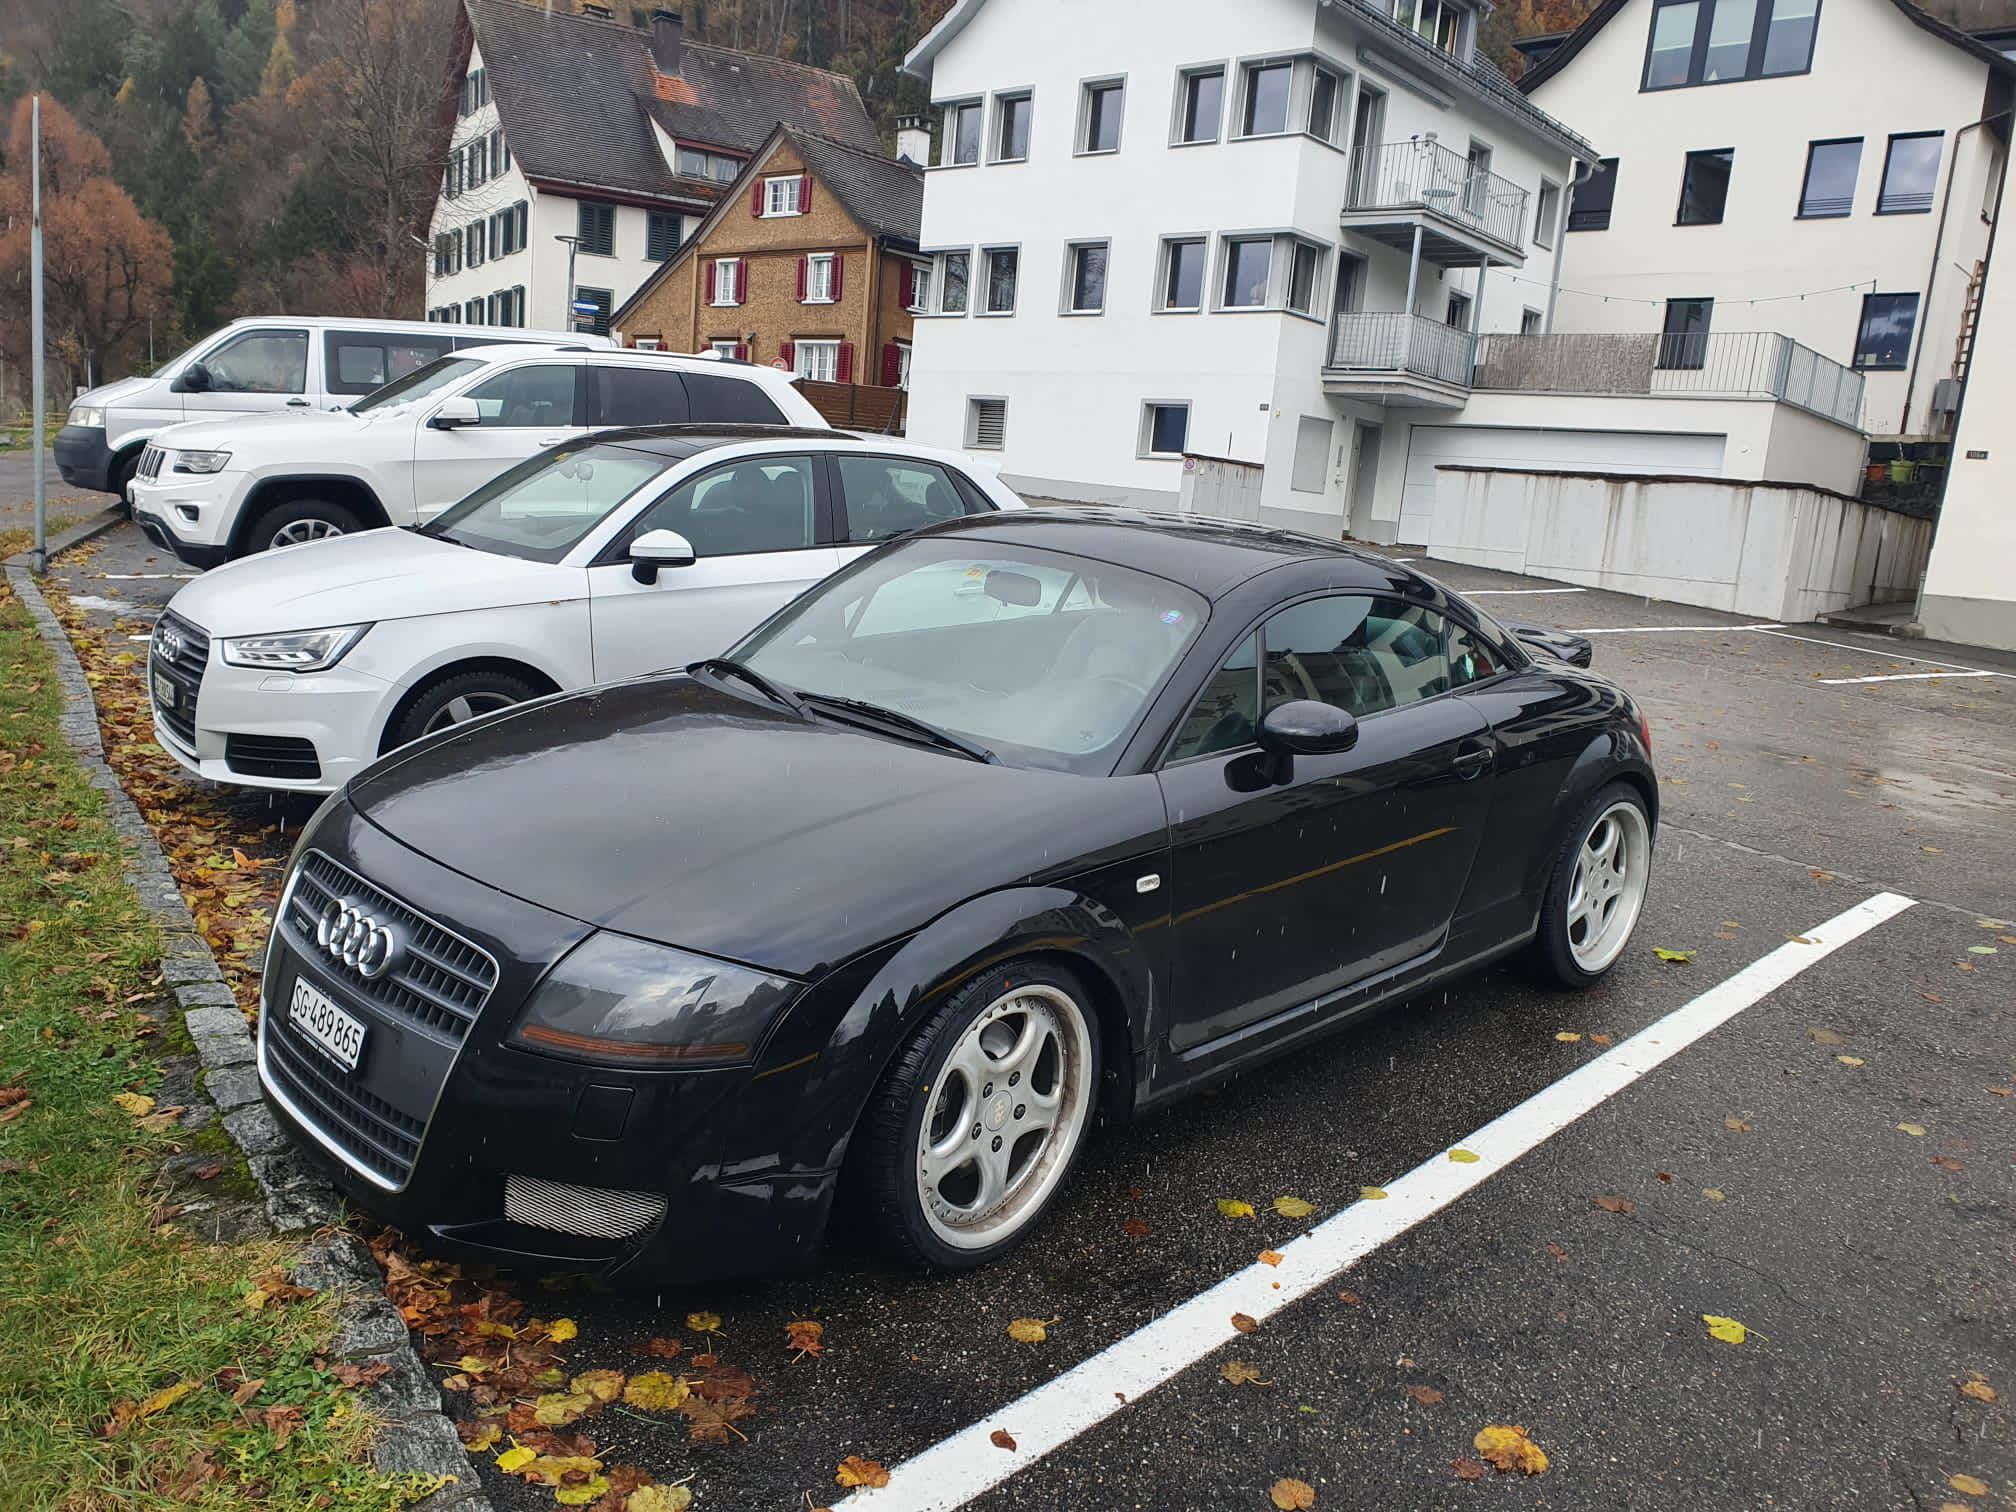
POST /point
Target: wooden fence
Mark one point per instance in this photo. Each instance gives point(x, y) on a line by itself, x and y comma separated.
point(859, 406)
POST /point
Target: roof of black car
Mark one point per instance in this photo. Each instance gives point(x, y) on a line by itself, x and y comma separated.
point(1211, 556)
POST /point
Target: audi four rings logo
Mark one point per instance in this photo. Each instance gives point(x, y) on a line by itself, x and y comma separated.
point(357, 939)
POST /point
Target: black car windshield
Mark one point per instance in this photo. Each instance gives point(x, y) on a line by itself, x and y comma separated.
point(1045, 658)
point(417, 384)
point(543, 507)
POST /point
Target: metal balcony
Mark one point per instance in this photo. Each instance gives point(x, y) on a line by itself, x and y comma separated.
point(1466, 215)
point(1401, 359)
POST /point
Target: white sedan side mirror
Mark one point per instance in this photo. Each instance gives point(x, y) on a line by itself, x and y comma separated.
point(455, 413)
point(659, 548)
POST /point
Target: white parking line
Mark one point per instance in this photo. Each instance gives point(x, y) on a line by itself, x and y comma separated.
point(1905, 677)
point(1516, 592)
point(1781, 633)
point(954, 1471)
point(1666, 629)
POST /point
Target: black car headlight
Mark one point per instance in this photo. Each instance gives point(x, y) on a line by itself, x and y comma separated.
point(628, 1002)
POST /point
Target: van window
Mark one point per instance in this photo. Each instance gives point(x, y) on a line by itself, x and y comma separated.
point(635, 396)
point(527, 396)
point(356, 362)
point(260, 362)
point(716, 400)
point(417, 384)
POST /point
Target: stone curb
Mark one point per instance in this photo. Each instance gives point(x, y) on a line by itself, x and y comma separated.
point(418, 1436)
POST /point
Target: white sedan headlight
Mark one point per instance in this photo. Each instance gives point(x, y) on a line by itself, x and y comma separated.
point(87, 414)
point(201, 461)
point(295, 650)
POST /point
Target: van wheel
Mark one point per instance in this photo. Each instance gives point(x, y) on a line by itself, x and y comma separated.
point(300, 521)
point(123, 469)
point(456, 700)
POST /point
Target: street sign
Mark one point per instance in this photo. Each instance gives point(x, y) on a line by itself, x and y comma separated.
point(587, 307)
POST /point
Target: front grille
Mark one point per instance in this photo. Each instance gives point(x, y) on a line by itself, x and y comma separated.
point(370, 1131)
point(440, 981)
point(177, 656)
point(591, 1212)
point(150, 462)
point(272, 756)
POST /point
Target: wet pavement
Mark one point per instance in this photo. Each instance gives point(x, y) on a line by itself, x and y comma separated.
point(1757, 1175)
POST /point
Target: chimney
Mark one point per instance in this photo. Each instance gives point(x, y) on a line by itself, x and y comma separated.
point(913, 141)
point(597, 10)
point(667, 39)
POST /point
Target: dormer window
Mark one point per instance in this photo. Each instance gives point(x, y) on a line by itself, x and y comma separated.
point(1725, 41)
point(1437, 22)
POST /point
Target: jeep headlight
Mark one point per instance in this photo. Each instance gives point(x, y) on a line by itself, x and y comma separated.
point(628, 1002)
point(201, 461)
point(294, 650)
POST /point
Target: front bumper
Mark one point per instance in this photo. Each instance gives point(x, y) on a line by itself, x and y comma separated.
point(428, 1130)
point(84, 457)
point(189, 515)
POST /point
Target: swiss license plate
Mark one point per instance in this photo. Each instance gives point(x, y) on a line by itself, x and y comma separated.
point(165, 692)
point(335, 1033)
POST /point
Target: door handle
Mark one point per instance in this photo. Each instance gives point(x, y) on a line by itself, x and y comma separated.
point(552, 441)
point(298, 403)
point(1469, 762)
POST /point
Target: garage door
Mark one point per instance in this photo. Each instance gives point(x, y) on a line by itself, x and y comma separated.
point(1429, 446)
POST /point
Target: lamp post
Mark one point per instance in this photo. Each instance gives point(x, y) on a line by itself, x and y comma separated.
point(573, 246)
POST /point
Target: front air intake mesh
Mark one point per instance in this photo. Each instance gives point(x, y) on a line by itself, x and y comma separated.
point(592, 1212)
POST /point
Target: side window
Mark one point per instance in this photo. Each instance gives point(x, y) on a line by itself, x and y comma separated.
point(1227, 711)
point(716, 400)
point(886, 496)
point(527, 396)
point(1360, 654)
point(1471, 657)
point(356, 362)
point(635, 396)
point(762, 504)
point(260, 362)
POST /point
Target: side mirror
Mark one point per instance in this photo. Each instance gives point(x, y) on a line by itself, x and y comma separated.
point(193, 379)
point(659, 548)
point(1304, 727)
point(455, 413)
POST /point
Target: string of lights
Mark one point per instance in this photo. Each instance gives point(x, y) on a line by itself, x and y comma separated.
point(1866, 285)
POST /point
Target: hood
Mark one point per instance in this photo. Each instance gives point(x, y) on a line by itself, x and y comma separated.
point(375, 575)
point(107, 394)
point(675, 811)
point(256, 438)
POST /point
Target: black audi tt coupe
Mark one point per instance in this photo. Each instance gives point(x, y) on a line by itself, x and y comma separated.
point(1017, 818)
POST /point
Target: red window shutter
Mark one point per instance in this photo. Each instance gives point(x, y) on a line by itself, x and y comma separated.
point(844, 370)
point(787, 352)
point(756, 199)
point(804, 193)
point(741, 351)
point(839, 263)
point(892, 364)
point(804, 264)
point(713, 281)
point(741, 280)
point(909, 285)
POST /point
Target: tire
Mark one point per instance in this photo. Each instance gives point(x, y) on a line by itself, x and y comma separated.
point(943, 1084)
point(120, 476)
point(299, 521)
point(1590, 911)
point(451, 701)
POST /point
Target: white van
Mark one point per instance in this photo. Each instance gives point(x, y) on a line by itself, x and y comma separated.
point(271, 364)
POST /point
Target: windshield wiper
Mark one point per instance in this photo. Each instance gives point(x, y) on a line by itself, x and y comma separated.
point(776, 692)
point(908, 723)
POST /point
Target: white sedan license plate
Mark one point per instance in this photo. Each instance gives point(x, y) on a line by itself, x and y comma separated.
point(334, 1032)
point(164, 691)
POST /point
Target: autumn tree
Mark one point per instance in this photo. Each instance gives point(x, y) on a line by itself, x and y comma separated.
point(106, 267)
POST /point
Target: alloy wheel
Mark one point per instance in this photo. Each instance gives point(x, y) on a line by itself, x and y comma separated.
point(465, 707)
point(1607, 890)
point(300, 532)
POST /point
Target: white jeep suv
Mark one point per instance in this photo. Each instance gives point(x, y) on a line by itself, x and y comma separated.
point(211, 491)
point(620, 554)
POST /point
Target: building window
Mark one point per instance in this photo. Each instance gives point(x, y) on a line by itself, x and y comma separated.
point(500, 153)
point(1325, 89)
point(1704, 187)
point(986, 424)
point(1545, 213)
point(1589, 205)
point(1099, 116)
point(1001, 265)
point(1165, 428)
point(649, 344)
point(902, 364)
point(442, 256)
point(1264, 111)
point(1883, 342)
point(475, 93)
point(1829, 190)
point(725, 347)
point(959, 140)
point(1303, 270)
point(1085, 278)
point(1011, 128)
point(1248, 262)
point(604, 301)
point(1529, 322)
point(473, 239)
point(472, 311)
point(1183, 274)
point(1477, 179)
point(596, 226)
point(1788, 45)
point(661, 234)
point(818, 361)
point(693, 162)
point(1683, 342)
point(1910, 173)
point(1719, 41)
point(724, 281)
point(1201, 105)
point(958, 273)
point(919, 284)
point(1458, 314)
point(819, 279)
point(784, 196)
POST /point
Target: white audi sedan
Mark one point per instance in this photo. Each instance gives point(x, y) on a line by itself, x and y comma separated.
point(618, 554)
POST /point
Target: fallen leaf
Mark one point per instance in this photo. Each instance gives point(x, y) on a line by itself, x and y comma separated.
point(129, 1412)
point(1557, 1252)
point(1735, 1125)
point(704, 1322)
point(139, 1104)
point(207, 1172)
point(281, 1423)
point(1427, 1396)
point(1293, 1207)
point(1851, 1060)
point(1713, 1194)
point(1290, 1494)
point(1728, 1330)
point(1371, 1194)
point(355, 1376)
point(1467, 1468)
point(1134, 1228)
point(1244, 1323)
point(1677, 957)
point(1348, 1298)
point(1664, 1175)
point(556, 1409)
point(1968, 1485)
point(1030, 1330)
point(805, 1337)
point(1976, 1386)
point(1506, 1447)
point(560, 1330)
point(1270, 1257)
point(661, 1499)
point(516, 1458)
point(1823, 1036)
point(1948, 1163)
point(479, 1435)
point(1599, 1039)
point(1616, 1204)
point(1464, 1157)
point(1568, 1036)
point(656, 1391)
point(1916, 1131)
point(1981, 950)
point(603, 1385)
point(246, 1390)
point(712, 1422)
point(1241, 1373)
point(1001, 1438)
point(663, 1349)
point(1232, 1207)
point(855, 1471)
point(2003, 1091)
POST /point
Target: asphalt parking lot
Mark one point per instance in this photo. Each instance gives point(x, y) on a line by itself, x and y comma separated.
point(1830, 1165)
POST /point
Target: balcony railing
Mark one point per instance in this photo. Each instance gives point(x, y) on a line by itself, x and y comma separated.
point(1705, 364)
point(1425, 175)
point(1401, 344)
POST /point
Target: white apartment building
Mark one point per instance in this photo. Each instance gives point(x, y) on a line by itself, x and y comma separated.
point(1830, 172)
point(1267, 232)
point(582, 144)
